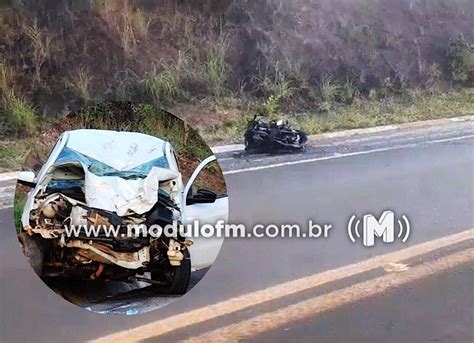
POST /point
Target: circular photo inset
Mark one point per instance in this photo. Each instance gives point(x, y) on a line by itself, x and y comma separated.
point(110, 203)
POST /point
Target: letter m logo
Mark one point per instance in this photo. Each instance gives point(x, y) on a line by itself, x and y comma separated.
point(384, 227)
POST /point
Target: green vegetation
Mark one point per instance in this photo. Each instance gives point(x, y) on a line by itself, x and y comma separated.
point(13, 153)
point(143, 118)
point(461, 59)
point(123, 116)
point(162, 86)
point(20, 119)
point(216, 68)
point(275, 84)
point(17, 117)
point(18, 205)
point(217, 63)
point(415, 105)
point(364, 113)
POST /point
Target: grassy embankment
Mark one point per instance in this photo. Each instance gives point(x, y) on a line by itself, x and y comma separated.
point(218, 63)
point(361, 114)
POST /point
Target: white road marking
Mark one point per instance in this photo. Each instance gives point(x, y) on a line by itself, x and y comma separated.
point(6, 198)
point(331, 157)
point(229, 306)
point(372, 140)
point(395, 137)
point(237, 332)
point(448, 139)
point(425, 124)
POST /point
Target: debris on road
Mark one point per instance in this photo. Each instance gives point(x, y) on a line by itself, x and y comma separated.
point(395, 267)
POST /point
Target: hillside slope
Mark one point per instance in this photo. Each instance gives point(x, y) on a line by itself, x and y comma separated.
point(214, 62)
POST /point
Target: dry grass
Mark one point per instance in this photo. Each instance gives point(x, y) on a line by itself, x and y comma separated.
point(80, 82)
point(7, 77)
point(128, 37)
point(140, 22)
point(132, 25)
point(41, 47)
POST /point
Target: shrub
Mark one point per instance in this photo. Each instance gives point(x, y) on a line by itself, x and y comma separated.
point(328, 92)
point(433, 75)
point(275, 83)
point(216, 69)
point(272, 105)
point(348, 91)
point(20, 116)
point(162, 86)
point(329, 89)
point(461, 59)
point(216, 75)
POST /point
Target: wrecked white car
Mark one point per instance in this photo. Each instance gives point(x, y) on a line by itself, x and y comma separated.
point(116, 179)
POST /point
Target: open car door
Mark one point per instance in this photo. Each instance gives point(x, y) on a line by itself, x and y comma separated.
point(205, 200)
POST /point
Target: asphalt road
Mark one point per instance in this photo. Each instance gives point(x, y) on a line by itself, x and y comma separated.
point(426, 174)
point(441, 315)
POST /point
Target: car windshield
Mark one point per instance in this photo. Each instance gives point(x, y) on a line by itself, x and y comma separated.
point(101, 169)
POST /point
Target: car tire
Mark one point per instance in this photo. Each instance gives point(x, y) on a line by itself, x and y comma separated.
point(179, 282)
point(32, 251)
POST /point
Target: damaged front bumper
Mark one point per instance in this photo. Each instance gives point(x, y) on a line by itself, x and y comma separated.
point(66, 225)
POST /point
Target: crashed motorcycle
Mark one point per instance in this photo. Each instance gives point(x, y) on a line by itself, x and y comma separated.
point(273, 136)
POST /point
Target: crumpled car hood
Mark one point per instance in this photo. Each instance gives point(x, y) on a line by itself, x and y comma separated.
point(119, 172)
point(121, 196)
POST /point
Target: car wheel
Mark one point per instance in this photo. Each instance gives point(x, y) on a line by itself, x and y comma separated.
point(175, 279)
point(32, 251)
